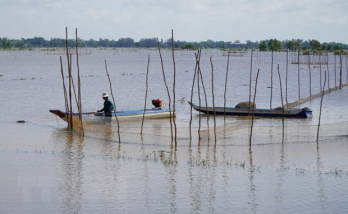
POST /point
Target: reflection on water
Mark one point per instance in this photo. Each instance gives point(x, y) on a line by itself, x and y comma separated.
point(70, 174)
point(62, 172)
point(321, 185)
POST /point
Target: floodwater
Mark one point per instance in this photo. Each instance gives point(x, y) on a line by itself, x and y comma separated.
point(46, 169)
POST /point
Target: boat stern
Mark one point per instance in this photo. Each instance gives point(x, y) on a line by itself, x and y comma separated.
point(59, 113)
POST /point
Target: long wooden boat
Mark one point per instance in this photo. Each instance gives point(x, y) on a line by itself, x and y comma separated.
point(301, 113)
point(131, 115)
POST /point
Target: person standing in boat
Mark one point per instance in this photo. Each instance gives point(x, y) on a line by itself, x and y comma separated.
point(108, 106)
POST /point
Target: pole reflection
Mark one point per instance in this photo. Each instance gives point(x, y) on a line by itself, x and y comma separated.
point(252, 186)
point(70, 173)
point(109, 170)
point(321, 185)
point(279, 185)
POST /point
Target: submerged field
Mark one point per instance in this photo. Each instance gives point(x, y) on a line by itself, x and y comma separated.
point(47, 169)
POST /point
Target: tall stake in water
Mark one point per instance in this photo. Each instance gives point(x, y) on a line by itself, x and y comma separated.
point(321, 87)
point(199, 104)
point(79, 104)
point(64, 88)
point(281, 97)
point(328, 70)
point(193, 85)
point(286, 76)
point(174, 77)
point(250, 73)
point(252, 115)
point(147, 78)
point(298, 76)
point(321, 104)
point(228, 62)
point(70, 122)
point(165, 83)
point(310, 75)
point(270, 102)
point(212, 91)
point(113, 99)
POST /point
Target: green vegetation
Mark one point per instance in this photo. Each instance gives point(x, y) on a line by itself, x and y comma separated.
point(188, 46)
point(264, 45)
point(310, 46)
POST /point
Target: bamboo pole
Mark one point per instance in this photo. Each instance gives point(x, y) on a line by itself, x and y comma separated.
point(212, 91)
point(281, 97)
point(166, 85)
point(346, 69)
point(64, 88)
point(204, 92)
point(70, 122)
point(252, 115)
point(193, 85)
point(228, 62)
point(328, 70)
point(286, 76)
point(321, 87)
point(250, 73)
point(310, 75)
point(199, 104)
point(147, 78)
point(73, 84)
point(298, 76)
point(335, 72)
point(113, 99)
point(270, 102)
point(321, 104)
point(79, 104)
point(174, 77)
point(341, 70)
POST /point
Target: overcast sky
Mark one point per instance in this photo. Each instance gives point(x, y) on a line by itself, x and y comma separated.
point(191, 20)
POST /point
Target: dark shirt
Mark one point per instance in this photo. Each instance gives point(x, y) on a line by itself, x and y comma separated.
point(108, 106)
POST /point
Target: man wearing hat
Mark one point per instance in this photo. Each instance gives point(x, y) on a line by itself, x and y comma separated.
point(108, 105)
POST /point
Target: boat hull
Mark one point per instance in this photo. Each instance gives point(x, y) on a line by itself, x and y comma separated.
point(132, 115)
point(299, 113)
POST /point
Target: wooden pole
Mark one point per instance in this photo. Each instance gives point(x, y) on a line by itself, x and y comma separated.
point(167, 88)
point(113, 99)
point(228, 62)
point(321, 87)
point(346, 69)
point(250, 73)
point(321, 104)
point(270, 102)
point(286, 76)
point(328, 70)
point(199, 104)
point(252, 115)
point(281, 97)
point(341, 70)
point(79, 104)
point(310, 75)
point(147, 78)
point(70, 122)
point(204, 92)
point(64, 88)
point(174, 77)
point(298, 76)
point(212, 91)
point(335, 72)
point(197, 56)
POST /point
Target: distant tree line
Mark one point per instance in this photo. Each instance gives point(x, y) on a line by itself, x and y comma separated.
point(301, 45)
point(264, 45)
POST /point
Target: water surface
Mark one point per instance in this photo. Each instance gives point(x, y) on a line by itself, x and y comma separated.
point(46, 169)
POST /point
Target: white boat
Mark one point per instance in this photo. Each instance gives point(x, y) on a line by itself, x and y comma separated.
point(131, 115)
